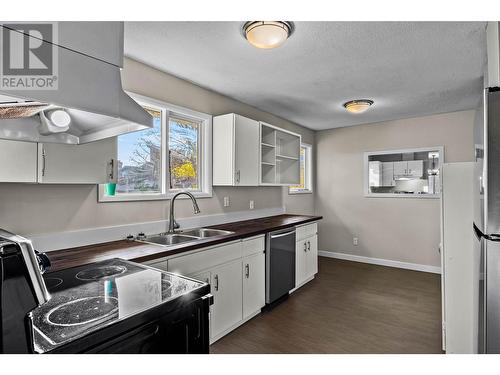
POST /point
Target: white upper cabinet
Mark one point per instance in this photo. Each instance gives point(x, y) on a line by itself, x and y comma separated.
point(235, 151)
point(416, 168)
point(18, 161)
point(410, 168)
point(249, 153)
point(375, 173)
point(89, 163)
point(56, 163)
point(388, 174)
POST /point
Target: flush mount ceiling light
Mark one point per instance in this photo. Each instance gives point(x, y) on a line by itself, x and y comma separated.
point(267, 34)
point(358, 106)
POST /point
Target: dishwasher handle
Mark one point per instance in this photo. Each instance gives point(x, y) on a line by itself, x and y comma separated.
point(273, 236)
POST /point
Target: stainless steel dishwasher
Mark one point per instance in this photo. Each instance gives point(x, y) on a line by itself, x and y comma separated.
point(280, 264)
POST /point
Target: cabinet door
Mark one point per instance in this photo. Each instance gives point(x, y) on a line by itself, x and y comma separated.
point(375, 175)
point(312, 256)
point(254, 284)
point(17, 161)
point(247, 148)
point(226, 285)
point(400, 168)
point(416, 168)
point(89, 163)
point(388, 174)
point(300, 262)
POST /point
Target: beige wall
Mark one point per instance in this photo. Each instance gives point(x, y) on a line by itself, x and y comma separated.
point(401, 229)
point(34, 209)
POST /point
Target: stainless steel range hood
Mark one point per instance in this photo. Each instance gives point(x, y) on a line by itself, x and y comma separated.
point(89, 90)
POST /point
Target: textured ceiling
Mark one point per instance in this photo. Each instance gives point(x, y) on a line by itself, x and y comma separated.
point(408, 68)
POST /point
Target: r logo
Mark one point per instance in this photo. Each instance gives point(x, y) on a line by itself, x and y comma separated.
point(29, 56)
point(25, 52)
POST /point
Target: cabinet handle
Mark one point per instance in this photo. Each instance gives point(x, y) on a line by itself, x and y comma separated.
point(44, 156)
point(112, 172)
point(216, 282)
point(309, 245)
point(238, 176)
point(305, 246)
point(247, 271)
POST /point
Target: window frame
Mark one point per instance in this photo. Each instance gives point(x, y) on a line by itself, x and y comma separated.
point(366, 183)
point(204, 153)
point(308, 172)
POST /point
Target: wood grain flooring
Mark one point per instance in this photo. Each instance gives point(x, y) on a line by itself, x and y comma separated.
point(348, 308)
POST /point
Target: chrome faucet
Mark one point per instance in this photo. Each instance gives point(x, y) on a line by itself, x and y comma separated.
point(172, 224)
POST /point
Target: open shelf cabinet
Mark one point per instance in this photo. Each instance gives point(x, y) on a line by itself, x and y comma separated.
point(279, 156)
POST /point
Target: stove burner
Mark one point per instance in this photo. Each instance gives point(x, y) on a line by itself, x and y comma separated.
point(82, 311)
point(100, 272)
point(52, 282)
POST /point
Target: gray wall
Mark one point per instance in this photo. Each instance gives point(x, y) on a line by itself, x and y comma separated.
point(401, 229)
point(35, 209)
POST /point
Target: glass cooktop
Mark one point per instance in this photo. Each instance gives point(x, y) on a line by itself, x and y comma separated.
point(88, 298)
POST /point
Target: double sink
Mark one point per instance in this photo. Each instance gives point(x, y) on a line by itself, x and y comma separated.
point(191, 235)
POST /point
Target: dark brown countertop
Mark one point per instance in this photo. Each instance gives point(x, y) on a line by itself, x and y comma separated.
point(142, 252)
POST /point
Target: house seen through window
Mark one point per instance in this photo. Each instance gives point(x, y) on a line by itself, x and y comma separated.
point(139, 159)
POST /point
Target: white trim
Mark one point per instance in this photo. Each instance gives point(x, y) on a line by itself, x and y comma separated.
point(381, 262)
point(83, 237)
point(308, 171)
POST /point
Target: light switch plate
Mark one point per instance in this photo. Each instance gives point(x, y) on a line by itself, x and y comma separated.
point(227, 202)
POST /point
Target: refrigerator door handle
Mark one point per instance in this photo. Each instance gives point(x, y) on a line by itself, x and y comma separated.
point(478, 232)
point(490, 237)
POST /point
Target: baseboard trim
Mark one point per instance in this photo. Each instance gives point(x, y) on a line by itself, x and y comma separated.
point(90, 236)
point(381, 262)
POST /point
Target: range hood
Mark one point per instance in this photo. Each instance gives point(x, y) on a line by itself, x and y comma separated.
point(88, 104)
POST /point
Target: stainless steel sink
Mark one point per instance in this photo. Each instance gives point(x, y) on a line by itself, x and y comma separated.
point(170, 239)
point(191, 235)
point(206, 232)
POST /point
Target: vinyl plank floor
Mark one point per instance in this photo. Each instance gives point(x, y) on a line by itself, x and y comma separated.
point(348, 308)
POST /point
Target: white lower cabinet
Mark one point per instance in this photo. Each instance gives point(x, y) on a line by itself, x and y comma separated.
point(236, 273)
point(306, 254)
point(227, 310)
point(254, 284)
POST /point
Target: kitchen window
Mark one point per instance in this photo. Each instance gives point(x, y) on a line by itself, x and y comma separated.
point(305, 185)
point(172, 156)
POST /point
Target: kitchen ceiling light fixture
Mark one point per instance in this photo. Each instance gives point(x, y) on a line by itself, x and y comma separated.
point(358, 106)
point(267, 34)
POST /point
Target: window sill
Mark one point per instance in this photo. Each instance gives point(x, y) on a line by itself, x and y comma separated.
point(392, 195)
point(102, 198)
point(299, 192)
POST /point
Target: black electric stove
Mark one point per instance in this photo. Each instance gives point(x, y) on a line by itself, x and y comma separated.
point(118, 306)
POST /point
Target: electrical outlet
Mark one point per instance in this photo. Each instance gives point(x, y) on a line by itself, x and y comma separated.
point(355, 241)
point(227, 202)
point(252, 205)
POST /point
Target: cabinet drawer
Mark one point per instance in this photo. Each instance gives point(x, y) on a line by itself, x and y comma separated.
point(205, 259)
point(305, 231)
point(253, 246)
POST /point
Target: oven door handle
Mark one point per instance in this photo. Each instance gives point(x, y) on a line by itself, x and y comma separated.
point(273, 236)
